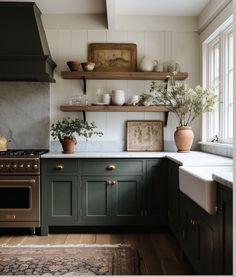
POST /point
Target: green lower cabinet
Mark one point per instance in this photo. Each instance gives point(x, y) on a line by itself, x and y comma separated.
point(225, 204)
point(200, 237)
point(62, 193)
point(112, 200)
point(156, 192)
point(173, 199)
point(127, 200)
point(96, 200)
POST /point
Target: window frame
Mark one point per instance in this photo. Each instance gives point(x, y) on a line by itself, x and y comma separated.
point(220, 36)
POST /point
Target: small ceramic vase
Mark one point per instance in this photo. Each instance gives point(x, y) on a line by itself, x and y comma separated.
point(146, 64)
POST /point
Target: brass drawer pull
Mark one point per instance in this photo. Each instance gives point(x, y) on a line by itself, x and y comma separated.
point(59, 167)
point(110, 167)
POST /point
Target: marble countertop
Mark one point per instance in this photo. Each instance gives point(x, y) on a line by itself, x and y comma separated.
point(193, 158)
point(225, 178)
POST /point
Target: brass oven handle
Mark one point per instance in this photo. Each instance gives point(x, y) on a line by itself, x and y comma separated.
point(111, 167)
point(18, 181)
point(10, 216)
point(59, 167)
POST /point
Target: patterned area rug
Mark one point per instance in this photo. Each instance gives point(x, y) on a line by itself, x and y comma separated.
point(74, 260)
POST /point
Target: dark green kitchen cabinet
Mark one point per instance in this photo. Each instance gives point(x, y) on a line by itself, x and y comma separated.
point(62, 194)
point(60, 198)
point(103, 192)
point(111, 195)
point(96, 200)
point(173, 199)
point(225, 208)
point(200, 237)
point(156, 191)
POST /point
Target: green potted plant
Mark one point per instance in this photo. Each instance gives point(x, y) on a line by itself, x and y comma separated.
point(186, 103)
point(66, 129)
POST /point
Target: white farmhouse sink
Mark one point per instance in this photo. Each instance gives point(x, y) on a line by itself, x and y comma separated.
point(197, 184)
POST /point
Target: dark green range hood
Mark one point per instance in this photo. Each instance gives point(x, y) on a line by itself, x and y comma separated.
point(24, 51)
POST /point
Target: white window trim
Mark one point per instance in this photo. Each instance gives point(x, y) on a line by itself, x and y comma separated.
point(221, 31)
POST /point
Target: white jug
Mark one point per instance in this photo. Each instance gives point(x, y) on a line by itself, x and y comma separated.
point(146, 64)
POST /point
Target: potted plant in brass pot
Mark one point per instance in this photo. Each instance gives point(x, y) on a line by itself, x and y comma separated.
point(186, 103)
point(66, 129)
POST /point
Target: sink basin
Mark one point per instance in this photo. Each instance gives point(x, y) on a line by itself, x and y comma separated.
point(197, 184)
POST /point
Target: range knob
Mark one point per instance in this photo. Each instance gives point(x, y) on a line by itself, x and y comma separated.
point(1, 165)
point(14, 165)
point(28, 165)
point(35, 166)
point(8, 165)
point(21, 165)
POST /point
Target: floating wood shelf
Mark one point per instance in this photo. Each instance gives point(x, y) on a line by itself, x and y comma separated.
point(121, 75)
point(77, 108)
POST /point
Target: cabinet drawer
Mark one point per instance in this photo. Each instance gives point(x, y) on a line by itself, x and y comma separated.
point(61, 166)
point(112, 166)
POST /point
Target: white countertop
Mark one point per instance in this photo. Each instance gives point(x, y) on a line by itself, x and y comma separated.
point(225, 178)
point(193, 158)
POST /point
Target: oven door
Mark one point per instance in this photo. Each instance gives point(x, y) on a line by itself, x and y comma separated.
point(19, 199)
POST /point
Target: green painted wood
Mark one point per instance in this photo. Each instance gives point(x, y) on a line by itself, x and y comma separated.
point(200, 237)
point(62, 199)
point(225, 204)
point(122, 166)
point(61, 166)
point(96, 200)
point(173, 199)
point(156, 190)
point(126, 199)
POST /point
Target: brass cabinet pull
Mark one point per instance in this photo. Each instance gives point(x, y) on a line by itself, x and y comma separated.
point(110, 167)
point(59, 167)
point(113, 183)
point(109, 182)
point(10, 216)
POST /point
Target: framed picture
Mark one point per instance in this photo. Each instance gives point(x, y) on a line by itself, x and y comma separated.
point(113, 57)
point(144, 135)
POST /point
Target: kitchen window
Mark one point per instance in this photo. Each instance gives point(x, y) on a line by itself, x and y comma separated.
point(218, 74)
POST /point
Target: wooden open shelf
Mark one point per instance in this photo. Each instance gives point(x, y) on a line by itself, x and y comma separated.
point(76, 108)
point(84, 109)
point(121, 75)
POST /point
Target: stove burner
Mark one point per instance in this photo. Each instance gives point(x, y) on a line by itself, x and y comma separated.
point(27, 152)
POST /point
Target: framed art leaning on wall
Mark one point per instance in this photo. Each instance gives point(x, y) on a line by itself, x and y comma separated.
point(144, 135)
point(113, 57)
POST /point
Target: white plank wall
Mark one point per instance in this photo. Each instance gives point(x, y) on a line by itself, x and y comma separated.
point(72, 44)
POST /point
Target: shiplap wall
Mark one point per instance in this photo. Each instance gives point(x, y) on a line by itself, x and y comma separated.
point(72, 43)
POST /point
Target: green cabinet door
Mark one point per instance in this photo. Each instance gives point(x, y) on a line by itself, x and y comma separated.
point(225, 204)
point(156, 190)
point(173, 199)
point(96, 200)
point(199, 237)
point(62, 200)
point(126, 199)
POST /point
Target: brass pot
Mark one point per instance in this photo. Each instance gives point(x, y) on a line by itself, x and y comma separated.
point(3, 143)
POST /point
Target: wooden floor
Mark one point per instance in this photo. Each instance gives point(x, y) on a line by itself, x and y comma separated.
point(159, 253)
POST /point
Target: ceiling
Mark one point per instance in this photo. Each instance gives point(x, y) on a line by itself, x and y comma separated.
point(121, 7)
point(160, 7)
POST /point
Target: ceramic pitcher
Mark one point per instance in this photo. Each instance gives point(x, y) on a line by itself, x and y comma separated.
point(146, 64)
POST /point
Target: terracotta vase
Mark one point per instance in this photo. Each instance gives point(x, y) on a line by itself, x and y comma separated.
point(183, 138)
point(68, 145)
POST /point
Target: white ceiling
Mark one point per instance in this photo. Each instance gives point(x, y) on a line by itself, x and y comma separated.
point(160, 7)
point(125, 7)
